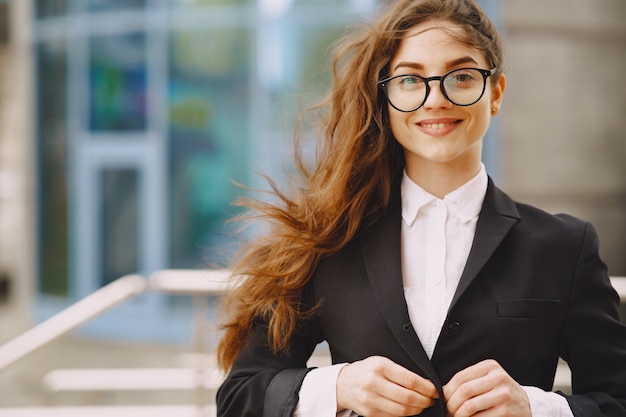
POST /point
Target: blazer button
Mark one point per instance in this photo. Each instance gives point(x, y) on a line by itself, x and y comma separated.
point(454, 329)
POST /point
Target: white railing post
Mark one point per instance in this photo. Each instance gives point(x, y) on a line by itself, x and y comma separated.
point(200, 284)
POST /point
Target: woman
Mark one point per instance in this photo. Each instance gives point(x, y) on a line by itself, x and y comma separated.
point(437, 294)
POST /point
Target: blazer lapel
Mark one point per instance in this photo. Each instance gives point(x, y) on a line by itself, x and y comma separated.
point(381, 255)
point(497, 216)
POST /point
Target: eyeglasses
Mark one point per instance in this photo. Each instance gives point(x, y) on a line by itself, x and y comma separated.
point(463, 87)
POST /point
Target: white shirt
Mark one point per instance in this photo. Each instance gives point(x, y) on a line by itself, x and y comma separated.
point(436, 238)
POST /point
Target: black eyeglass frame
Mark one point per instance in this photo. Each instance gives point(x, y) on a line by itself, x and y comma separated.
point(485, 73)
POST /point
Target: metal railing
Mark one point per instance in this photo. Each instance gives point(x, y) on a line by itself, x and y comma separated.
point(197, 283)
point(86, 309)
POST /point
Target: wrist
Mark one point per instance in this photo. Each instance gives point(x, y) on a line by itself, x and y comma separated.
point(338, 388)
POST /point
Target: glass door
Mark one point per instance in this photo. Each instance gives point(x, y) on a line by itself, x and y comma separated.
point(118, 170)
point(118, 216)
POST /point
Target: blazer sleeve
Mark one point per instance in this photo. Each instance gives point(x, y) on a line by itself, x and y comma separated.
point(264, 384)
point(594, 342)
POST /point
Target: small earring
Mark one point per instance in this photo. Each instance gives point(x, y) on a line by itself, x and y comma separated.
point(494, 110)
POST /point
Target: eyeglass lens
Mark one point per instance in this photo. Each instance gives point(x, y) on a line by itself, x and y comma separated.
point(462, 87)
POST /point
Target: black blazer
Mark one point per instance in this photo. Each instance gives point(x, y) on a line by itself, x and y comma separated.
point(534, 289)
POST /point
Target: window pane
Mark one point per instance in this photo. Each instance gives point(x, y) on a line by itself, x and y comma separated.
point(307, 78)
point(208, 110)
point(108, 5)
point(118, 83)
point(205, 3)
point(50, 8)
point(119, 224)
point(327, 2)
point(52, 168)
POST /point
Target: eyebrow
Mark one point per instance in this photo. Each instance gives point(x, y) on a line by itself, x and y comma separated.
point(454, 62)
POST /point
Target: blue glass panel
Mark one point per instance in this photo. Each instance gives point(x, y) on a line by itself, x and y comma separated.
point(209, 96)
point(109, 5)
point(304, 51)
point(118, 83)
point(52, 210)
point(325, 2)
point(50, 8)
point(208, 3)
point(119, 224)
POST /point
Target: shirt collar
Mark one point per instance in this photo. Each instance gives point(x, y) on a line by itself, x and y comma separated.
point(465, 202)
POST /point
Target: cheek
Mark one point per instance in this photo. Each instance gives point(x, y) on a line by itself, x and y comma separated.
point(481, 115)
point(397, 122)
point(482, 121)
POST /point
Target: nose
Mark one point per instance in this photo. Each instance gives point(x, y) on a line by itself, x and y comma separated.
point(436, 99)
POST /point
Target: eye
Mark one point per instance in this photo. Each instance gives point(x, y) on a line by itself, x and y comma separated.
point(462, 79)
point(409, 82)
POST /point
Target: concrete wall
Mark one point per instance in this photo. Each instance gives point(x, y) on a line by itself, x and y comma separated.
point(17, 220)
point(563, 134)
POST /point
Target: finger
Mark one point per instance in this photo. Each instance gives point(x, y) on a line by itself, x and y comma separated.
point(494, 391)
point(360, 384)
point(405, 396)
point(386, 406)
point(498, 401)
point(386, 401)
point(470, 373)
point(469, 395)
point(376, 386)
point(410, 380)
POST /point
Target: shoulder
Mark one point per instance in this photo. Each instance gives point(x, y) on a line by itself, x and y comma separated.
point(537, 222)
point(559, 230)
point(537, 217)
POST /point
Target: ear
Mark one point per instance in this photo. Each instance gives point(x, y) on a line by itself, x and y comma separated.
point(497, 93)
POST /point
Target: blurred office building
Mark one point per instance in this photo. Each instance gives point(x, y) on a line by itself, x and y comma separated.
point(125, 124)
point(140, 117)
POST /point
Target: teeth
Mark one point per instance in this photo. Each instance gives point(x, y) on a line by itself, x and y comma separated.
point(437, 125)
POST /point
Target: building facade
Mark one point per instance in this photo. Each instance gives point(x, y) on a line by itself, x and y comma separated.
point(124, 122)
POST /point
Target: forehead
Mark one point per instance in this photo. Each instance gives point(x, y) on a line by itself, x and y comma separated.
point(436, 43)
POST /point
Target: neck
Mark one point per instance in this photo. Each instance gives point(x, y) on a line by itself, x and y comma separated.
point(440, 179)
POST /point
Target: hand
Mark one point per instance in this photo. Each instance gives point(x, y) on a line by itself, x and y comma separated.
point(487, 390)
point(378, 387)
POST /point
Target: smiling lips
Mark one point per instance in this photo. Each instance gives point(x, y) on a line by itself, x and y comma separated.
point(438, 127)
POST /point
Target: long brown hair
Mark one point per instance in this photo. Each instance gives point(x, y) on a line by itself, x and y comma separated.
point(358, 165)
